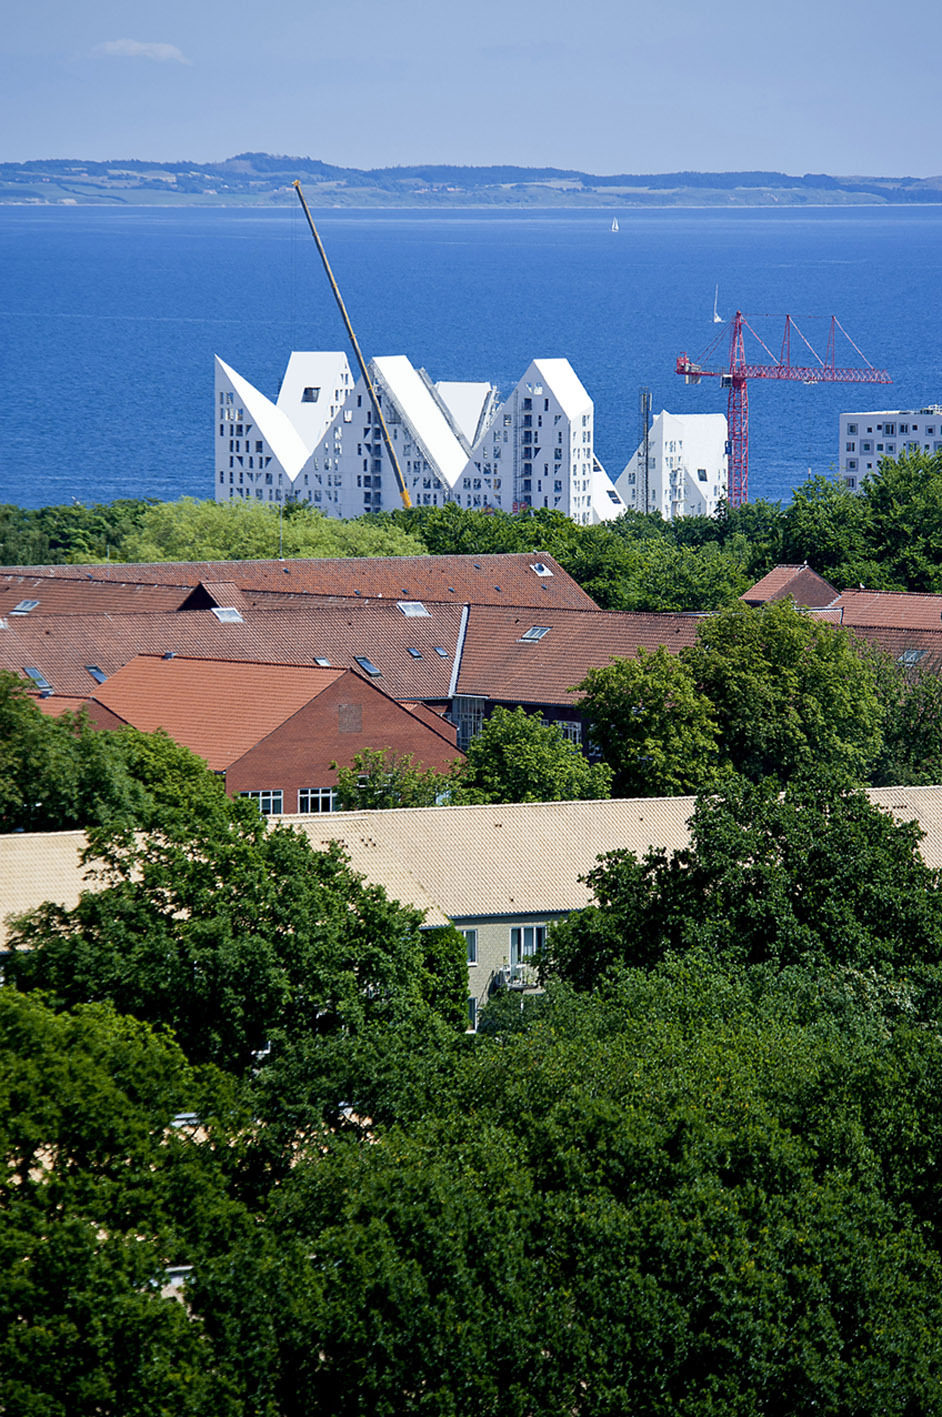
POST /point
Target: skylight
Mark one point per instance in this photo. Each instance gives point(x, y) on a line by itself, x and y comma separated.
point(324, 663)
point(412, 609)
point(911, 656)
point(439, 649)
point(535, 632)
point(416, 653)
point(227, 615)
point(37, 677)
point(97, 674)
point(540, 569)
point(367, 665)
point(24, 607)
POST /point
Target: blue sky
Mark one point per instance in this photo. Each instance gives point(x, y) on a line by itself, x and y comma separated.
point(602, 85)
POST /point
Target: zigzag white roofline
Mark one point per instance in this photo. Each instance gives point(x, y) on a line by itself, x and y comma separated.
point(566, 385)
point(272, 422)
point(404, 386)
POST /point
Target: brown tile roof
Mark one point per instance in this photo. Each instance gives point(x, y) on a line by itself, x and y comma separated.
point(800, 583)
point(894, 609)
point(498, 664)
point(60, 596)
point(482, 580)
point(916, 651)
point(218, 708)
point(61, 649)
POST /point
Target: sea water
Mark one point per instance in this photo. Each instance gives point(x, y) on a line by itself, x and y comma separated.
point(110, 317)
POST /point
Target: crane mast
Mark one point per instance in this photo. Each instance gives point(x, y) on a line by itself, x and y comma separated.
point(739, 370)
point(374, 398)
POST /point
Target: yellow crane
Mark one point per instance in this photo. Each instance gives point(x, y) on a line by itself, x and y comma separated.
point(378, 412)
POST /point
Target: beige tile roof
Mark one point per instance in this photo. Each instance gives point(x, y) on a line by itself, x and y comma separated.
point(520, 858)
point(38, 866)
point(507, 579)
point(455, 862)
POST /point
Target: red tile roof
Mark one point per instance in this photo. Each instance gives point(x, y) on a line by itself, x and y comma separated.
point(61, 596)
point(218, 708)
point(916, 651)
point(61, 649)
point(498, 664)
point(894, 609)
point(482, 580)
point(800, 583)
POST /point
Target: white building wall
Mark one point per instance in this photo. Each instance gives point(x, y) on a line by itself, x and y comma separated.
point(687, 466)
point(867, 438)
point(322, 443)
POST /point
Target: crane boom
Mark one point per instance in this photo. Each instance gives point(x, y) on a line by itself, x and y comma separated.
point(374, 398)
point(738, 372)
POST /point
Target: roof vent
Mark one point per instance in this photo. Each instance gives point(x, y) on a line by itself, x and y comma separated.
point(412, 609)
point(227, 615)
point(540, 569)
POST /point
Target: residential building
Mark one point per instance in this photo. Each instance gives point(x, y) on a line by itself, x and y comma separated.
point(687, 473)
point(277, 733)
point(867, 438)
point(501, 874)
point(454, 442)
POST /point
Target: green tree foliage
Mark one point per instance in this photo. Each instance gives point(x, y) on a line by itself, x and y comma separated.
point(517, 757)
point(912, 732)
point(789, 692)
point(905, 504)
point(66, 535)
point(675, 1197)
point(188, 530)
point(831, 527)
point(98, 1195)
point(652, 725)
point(57, 773)
point(814, 875)
point(379, 778)
point(233, 935)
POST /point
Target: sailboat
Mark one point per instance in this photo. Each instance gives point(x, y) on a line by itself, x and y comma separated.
point(614, 223)
point(717, 319)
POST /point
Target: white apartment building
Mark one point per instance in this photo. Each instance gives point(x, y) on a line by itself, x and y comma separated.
point(868, 438)
point(687, 466)
point(454, 442)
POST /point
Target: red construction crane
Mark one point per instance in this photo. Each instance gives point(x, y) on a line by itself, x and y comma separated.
point(738, 371)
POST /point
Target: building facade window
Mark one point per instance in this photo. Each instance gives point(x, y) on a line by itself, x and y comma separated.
point(471, 939)
point(269, 802)
point(526, 941)
point(316, 799)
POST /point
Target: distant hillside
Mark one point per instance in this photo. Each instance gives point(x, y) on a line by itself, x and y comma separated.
point(260, 179)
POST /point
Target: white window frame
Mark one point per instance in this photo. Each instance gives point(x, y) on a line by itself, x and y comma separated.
point(312, 800)
point(270, 801)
